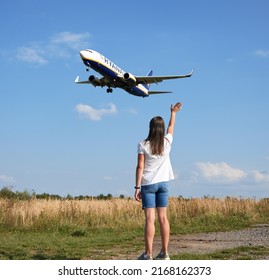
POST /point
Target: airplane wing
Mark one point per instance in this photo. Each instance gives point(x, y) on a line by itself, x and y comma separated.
point(158, 79)
point(77, 81)
point(158, 92)
point(95, 81)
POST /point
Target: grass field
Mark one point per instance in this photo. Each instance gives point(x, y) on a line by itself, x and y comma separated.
point(101, 229)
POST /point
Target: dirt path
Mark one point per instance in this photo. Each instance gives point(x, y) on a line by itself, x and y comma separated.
point(257, 235)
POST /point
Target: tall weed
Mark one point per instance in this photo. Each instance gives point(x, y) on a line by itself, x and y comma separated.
point(197, 214)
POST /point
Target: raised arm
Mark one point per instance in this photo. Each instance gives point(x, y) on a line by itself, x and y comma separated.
point(174, 109)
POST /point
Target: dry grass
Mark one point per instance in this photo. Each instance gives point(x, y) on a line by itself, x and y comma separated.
point(213, 214)
point(122, 213)
point(94, 213)
point(204, 206)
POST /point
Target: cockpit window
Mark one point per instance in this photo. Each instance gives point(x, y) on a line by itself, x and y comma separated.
point(89, 50)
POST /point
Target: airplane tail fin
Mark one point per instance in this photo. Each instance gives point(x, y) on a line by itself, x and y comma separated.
point(148, 85)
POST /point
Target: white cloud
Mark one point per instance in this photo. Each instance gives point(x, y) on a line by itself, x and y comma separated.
point(257, 177)
point(220, 179)
point(32, 55)
point(262, 53)
point(218, 172)
point(223, 173)
point(131, 111)
point(72, 40)
point(6, 179)
point(88, 112)
point(61, 45)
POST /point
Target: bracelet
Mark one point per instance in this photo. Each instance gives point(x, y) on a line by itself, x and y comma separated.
point(137, 188)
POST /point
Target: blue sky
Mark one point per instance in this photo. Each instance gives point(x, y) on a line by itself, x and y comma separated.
point(221, 141)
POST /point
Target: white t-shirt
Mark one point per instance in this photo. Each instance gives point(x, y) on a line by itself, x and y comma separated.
point(157, 168)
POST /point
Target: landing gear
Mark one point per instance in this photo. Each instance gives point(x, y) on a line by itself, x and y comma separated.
point(109, 90)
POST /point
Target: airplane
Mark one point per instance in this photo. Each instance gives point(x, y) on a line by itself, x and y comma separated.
point(115, 77)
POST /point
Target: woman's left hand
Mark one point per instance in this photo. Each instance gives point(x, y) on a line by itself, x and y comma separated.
point(137, 195)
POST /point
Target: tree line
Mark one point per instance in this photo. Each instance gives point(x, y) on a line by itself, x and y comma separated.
point(7, 193)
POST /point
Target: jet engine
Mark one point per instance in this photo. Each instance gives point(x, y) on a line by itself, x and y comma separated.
point(130, 79)
point(94, 80)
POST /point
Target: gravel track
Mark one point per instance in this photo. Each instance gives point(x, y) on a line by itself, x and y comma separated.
point(202, 243)
point(257, 235)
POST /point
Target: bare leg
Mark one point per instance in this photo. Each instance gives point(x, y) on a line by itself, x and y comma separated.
point(164, 228)
point(149, 230)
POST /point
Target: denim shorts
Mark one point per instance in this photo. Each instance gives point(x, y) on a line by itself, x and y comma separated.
point(155, 195)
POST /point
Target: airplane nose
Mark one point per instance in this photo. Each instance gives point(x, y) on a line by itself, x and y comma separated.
point(83, 54)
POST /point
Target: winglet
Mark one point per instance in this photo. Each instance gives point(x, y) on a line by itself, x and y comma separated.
point(147, 86)
point(189, 75)
point(77, 79)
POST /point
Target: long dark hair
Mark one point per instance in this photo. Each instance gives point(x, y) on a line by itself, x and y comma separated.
point(156, 135)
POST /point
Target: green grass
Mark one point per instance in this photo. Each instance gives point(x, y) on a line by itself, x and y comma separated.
point(67, 243)
point(74, 245)
point(100, 244)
